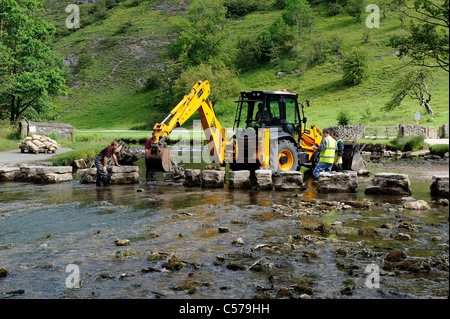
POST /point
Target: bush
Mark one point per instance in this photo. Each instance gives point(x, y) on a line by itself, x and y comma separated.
point(239, 8)
point(315, 52)
point(154, 80)
point(271, 44)
point(343, 118)
point(409, 143)
point(439, 149)
point(355, 67)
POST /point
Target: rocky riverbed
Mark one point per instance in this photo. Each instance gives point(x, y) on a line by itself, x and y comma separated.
point(161, 240)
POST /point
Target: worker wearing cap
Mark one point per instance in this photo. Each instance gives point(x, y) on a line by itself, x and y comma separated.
point(101, 161)
point(327, 150)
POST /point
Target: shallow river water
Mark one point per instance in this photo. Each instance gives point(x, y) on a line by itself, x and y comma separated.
point(46, 228)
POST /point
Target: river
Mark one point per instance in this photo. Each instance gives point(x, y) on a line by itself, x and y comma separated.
point(47, 231)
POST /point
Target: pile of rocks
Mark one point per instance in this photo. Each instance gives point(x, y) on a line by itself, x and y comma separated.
point(38, 144)
point(116, 175)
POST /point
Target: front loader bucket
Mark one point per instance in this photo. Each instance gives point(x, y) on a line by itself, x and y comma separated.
point(352, 159)
point(159, 159)
point(358, 162)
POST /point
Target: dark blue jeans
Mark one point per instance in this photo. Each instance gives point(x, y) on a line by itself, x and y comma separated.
point(322, 167)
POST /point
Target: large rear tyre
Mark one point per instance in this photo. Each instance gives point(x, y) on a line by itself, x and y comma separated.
point(285, 158)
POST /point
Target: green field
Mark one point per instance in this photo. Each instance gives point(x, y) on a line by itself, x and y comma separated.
point(105, 94)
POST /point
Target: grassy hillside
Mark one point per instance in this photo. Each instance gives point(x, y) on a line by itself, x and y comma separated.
point(108, 60)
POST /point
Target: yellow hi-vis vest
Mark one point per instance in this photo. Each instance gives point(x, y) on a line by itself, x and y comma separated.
point(336, 153)
point(327, 155)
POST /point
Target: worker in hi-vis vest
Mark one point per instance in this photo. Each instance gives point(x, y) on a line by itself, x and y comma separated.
point(327, 150)
point(339, 151)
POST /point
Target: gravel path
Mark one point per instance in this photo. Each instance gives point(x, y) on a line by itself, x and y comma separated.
point(16, 157)
point(436, 141)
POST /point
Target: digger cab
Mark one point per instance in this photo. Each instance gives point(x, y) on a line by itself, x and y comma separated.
point(275, 110)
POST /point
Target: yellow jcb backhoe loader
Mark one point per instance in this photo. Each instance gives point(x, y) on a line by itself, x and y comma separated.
point(269, 133)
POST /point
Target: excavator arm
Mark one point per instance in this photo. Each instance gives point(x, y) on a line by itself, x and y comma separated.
point(196, 99)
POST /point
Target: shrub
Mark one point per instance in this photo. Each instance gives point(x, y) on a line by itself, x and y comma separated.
point(272, 43)
point(240, 8)
point(439, 149)
point(249, 52)
point(355, 67)
point(409, 143)
point(343, 118)
point(153, 81)
point(315, 52)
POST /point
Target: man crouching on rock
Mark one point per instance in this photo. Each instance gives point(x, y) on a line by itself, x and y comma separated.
point(101, 161)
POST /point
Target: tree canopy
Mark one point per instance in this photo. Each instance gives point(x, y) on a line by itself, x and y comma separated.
point(30, 72)
point(427, 41)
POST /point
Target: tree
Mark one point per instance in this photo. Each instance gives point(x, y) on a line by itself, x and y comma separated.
point(355, 8)
point(413, 83)
point(30, 71)
point(298, 13)
point(200, 33)
point(355, 67)
point(427, 42)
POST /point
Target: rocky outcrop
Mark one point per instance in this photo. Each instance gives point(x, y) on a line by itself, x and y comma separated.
point(213, 179)
point(116, 175)
point(440, 186)
point(389, 184)
point(239, 180)
point(335, 182)
point(288, 181)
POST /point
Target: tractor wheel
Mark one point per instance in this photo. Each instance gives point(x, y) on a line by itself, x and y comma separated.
point(285, 158)
point(315, 159)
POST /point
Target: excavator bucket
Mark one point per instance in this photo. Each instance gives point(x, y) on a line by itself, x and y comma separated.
point(159, 159)
point(352, 159)
point(357, 161)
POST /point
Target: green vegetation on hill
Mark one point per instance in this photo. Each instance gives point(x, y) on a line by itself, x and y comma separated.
point(120, 75)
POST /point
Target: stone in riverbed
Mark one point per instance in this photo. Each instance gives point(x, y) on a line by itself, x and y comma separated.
point(440, 186)
point(172, 263)
point(53, 174)
point(213, 179)
point(116, 175)
point(3, 272)
point(192, 178)
point(239, 180)
point(264, 179)
point(336, 182)
point(9, 173)
point(416, 205)
point(390, 184)
point(289, 181)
